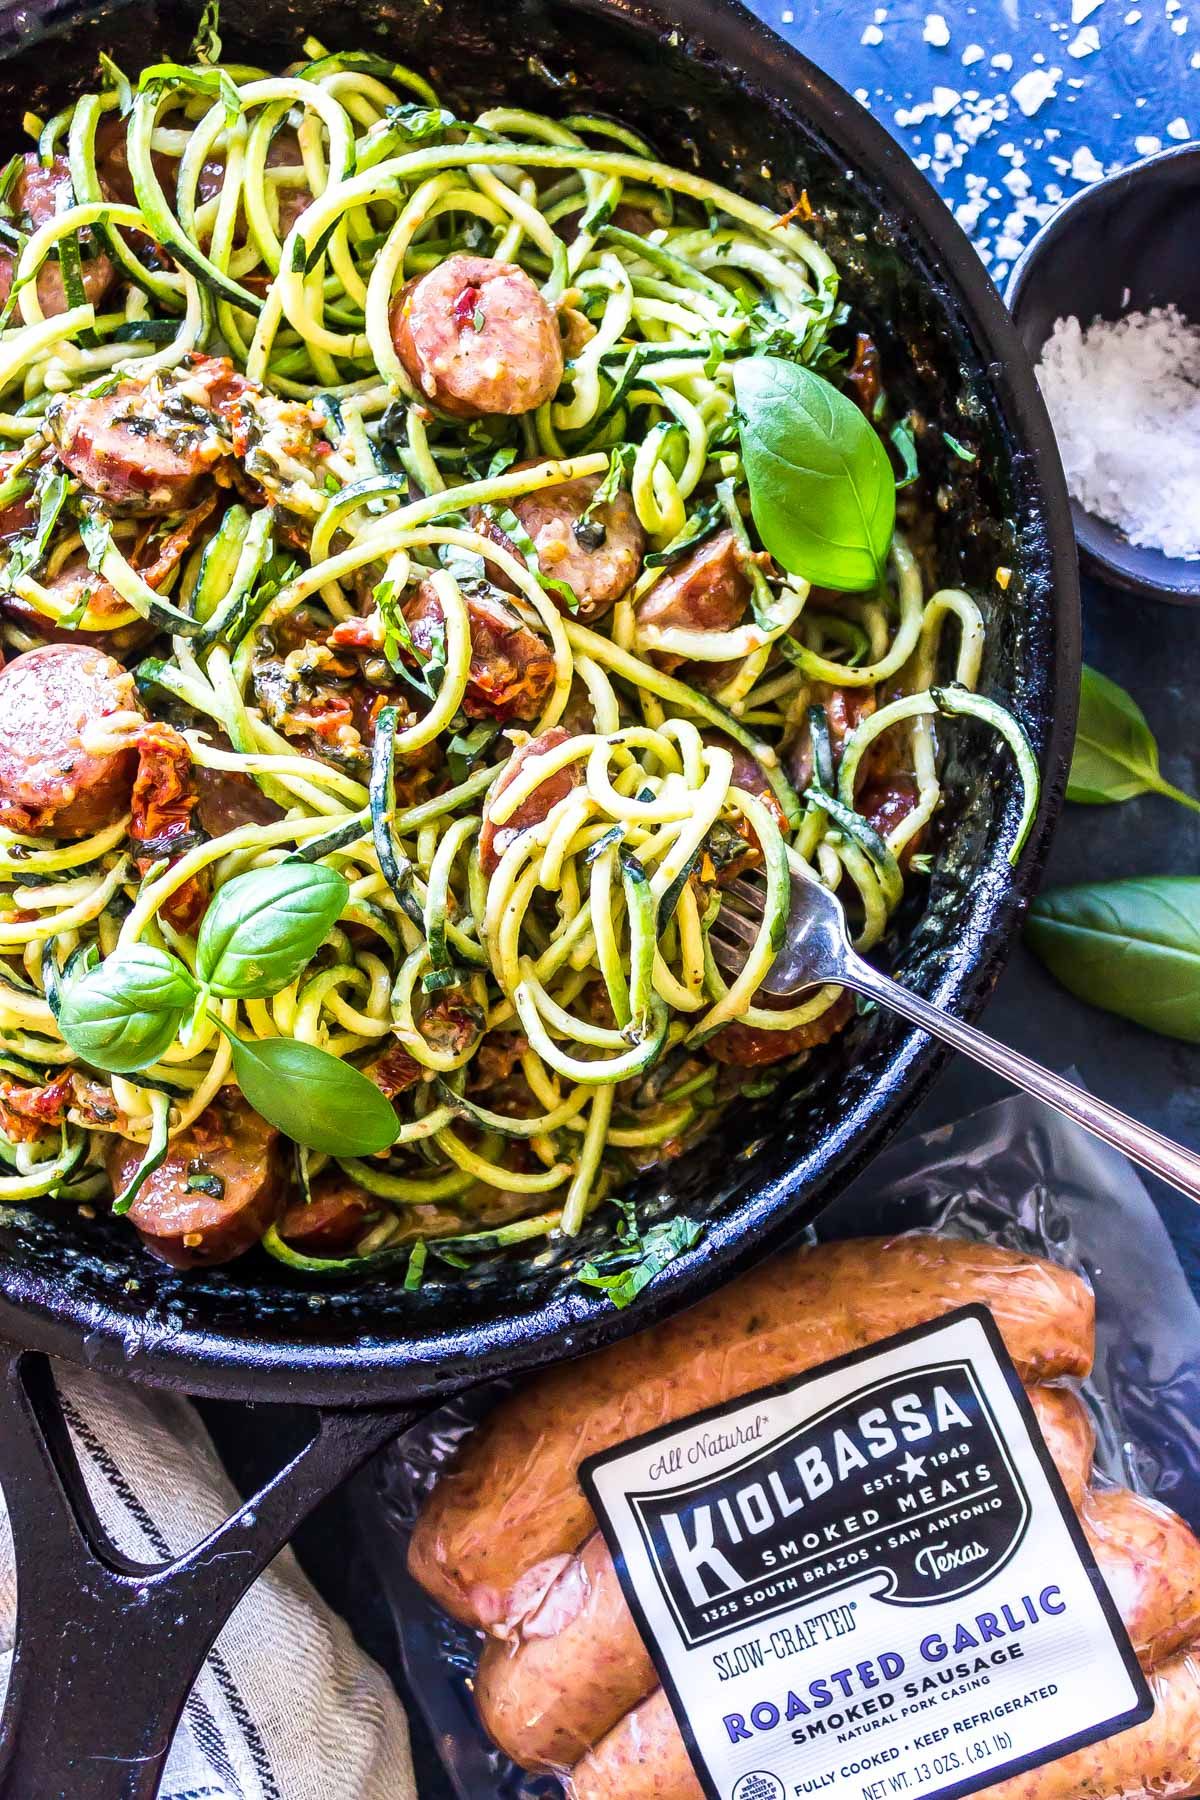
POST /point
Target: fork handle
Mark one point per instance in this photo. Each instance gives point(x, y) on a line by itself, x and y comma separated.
point(1151, 1149)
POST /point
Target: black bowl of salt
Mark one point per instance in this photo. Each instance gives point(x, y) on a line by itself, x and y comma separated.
point(1107, 301)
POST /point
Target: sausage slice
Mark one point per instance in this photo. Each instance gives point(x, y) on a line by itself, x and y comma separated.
point(476, 337)
point(331, 1223)
point(708, 591)
point(512, 668)
point(494, 839)
point(598, 557)
point(135, 446)
point(56, 779)
point(232, 1158)
point(35, 196)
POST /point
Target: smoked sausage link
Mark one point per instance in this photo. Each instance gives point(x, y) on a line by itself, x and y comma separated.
point(58, 778)
point(642, 1758)
point(577, 1667)
point(1150, 1561)
point(197, 1225)
point(576, 1664)
point(1070, 1437)
point(512, 1499)
point(475, 337)
point(1159, 1760)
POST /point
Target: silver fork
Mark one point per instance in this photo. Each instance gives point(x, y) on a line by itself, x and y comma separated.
point(816, 949)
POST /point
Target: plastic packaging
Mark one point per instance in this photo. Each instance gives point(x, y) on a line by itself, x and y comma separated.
point(1013, 1174)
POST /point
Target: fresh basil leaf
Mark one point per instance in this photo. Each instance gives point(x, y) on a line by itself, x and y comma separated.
point(1129, 947)
point(313, 1097)
point(263, 928)
point(125, 1013)
point(821, 486)
point(1115, 755)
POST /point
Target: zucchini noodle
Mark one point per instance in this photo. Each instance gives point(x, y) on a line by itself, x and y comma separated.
point(395, 456)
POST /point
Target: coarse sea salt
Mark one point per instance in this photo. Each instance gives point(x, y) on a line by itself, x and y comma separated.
point(1124, 396)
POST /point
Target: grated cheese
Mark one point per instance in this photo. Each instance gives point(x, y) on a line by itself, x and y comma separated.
point(1125, 400)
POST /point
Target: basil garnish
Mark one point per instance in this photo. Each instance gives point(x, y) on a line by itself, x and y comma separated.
point(313, 1097)
point(124, 1014)
point(260, 932)
point(821, 486)
point(263, 928)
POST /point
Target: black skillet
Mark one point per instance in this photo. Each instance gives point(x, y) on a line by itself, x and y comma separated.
point(106, 1652)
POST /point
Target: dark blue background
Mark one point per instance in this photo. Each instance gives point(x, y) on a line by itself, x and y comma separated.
point(1144, 77)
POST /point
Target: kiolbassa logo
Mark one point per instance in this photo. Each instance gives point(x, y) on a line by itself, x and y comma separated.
point(907, 1483)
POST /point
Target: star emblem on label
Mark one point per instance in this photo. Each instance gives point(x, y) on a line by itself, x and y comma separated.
point(912, 1468)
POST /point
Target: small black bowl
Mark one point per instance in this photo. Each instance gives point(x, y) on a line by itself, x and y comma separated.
point(1125, 245)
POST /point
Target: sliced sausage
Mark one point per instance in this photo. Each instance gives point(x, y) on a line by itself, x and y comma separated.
point(58, 778)
point(1150, 1561)
point(476, 337)
point(134, 447)
point(575, 1662)
point(642, 1758)
point(512, 668)
point(750, 1047)
point(512, 1499)
point(494, 839)
point(331, 1223)
point(1070, 1437)
point(708, 590)
point(598, 557)
point(1155, 1761)
point(35, 196)
point(232, 1152)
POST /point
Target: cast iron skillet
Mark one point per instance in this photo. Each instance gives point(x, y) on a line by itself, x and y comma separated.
point(105, 1651)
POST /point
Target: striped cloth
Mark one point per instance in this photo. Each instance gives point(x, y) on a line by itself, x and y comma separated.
point(287, 1706)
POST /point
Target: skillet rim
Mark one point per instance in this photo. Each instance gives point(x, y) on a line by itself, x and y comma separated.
point(393, 1369)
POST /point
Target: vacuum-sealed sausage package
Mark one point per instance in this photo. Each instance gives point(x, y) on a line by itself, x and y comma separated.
point(905, 1511)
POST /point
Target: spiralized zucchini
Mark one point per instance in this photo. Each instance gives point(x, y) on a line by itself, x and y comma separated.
point(557, 995)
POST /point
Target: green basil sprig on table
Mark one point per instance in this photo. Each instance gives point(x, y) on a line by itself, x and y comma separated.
point(260, 932)
point(1115, 755)
point(821, 486)
point(1130, 947)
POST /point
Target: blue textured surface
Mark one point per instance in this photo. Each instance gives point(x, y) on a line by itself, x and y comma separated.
point(953, 106)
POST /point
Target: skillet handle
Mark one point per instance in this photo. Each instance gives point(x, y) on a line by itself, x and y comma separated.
point(107, 1649)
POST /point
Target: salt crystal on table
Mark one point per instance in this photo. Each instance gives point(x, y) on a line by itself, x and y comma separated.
point(936, 31)
point(1125, 400)
point(1178, 128)
point(1035, 88)
point(1086, 44)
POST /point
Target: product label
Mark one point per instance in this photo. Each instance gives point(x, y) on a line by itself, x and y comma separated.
point(869, 1581)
